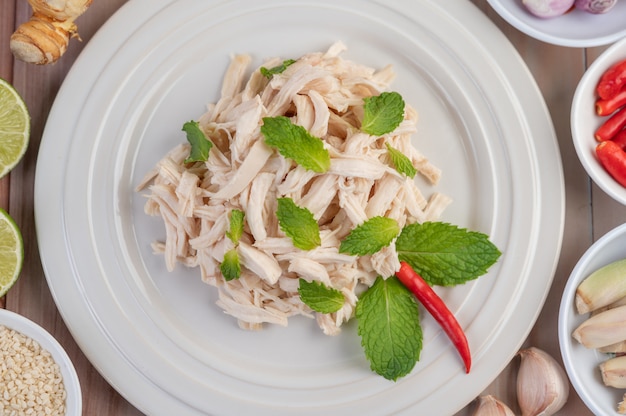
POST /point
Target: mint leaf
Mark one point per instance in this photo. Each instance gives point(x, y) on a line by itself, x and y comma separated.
point(200, 144)
point(444, 254)
point(230, 267)
point(236, 226)
point(401, 162)
point(389, 326)
point(370, 237)
point(294, 142)
point(298, 224)
point(383, 113)
point(279, 69)
point(320, 297)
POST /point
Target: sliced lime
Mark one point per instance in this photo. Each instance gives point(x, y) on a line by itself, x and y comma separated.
point(14, 127)
point(11, 252)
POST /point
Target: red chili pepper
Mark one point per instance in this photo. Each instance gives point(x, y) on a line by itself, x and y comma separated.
point(620, 139)
point(437, 308)
point(613, 159)
point(612, 81)
point(608, 107)
point(611, 126)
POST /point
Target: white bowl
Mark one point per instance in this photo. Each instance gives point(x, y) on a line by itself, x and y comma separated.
point(575, 29)
point(580, 362)
point(18, 323)
point(584, 120)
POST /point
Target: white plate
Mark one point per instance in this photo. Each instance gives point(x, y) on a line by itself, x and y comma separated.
point(577, 28)
point(158, 338)
point(582, 363)
point(584, 121)
point(26, 327)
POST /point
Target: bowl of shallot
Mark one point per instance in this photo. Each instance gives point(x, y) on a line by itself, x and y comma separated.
point(573, 23)
point(598, 121)
point(592, 330)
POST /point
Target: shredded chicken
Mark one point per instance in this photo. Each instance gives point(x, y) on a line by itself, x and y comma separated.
point(323, 93)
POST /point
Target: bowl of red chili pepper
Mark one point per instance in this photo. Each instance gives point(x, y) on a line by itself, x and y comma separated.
point(598, 121)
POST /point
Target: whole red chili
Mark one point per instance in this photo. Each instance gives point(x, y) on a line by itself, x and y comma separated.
point(613, 159)
point(608, 107)
point(437, 308)
point(612, 81)
point(620, 139)
point(611, 126)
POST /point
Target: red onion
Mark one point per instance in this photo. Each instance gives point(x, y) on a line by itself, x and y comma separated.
point(549, 8)
point(595, 6)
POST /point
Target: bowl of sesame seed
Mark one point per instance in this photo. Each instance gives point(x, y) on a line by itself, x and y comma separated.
point(36, 375)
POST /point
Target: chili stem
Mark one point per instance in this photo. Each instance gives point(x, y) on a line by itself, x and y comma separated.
point(438, 309)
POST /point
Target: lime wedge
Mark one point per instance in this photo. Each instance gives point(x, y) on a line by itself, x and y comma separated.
point(11, 252)
point(14, 127)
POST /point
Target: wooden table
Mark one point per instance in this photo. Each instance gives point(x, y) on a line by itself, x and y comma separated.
point(589, 212)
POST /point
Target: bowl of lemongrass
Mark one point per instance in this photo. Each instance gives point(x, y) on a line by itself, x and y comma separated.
point(592, 325)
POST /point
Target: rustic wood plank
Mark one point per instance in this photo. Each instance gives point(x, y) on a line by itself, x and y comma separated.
point(589, 212)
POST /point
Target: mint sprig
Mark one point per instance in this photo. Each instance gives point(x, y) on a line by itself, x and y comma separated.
point(200, 144)
point(444, 254)
point(370, 237)
point(230, 266)
point(298, 224)
point(296, 143)
point(235, 229)
point(382, 113)
point(402, 163)
point(320, 297)
point(389, 326)
point(279, 69)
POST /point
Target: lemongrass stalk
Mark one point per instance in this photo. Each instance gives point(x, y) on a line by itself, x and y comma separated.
point(605, 328)
point(614, 372)
point(602, 287)
point(618, 347)
point(619, 302)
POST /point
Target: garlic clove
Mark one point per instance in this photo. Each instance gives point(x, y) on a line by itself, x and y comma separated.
point(542, 385)
point(490, 406)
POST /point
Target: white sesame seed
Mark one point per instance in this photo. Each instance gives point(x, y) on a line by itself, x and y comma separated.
point(30, 380)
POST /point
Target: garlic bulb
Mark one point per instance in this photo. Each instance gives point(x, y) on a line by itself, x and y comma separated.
point(490, 406)
point(542, 385)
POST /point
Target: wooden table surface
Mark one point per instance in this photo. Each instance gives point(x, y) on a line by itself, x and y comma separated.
point(589, 212)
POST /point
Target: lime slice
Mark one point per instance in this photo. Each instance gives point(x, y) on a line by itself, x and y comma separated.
point(14, 127)
point(11, 252)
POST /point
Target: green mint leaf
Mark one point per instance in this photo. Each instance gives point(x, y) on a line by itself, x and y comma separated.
point(279, 69)
point(401, 162)
point(383, 113)
point(236, 226)
point(370, 237)
point(200, 144)
point(389, 326)
point(298, 224)
point(320, 297)
point(294, 142)
point(230, 267)
point(444, 254)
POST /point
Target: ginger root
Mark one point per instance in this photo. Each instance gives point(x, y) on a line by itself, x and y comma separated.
point(45, 37)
